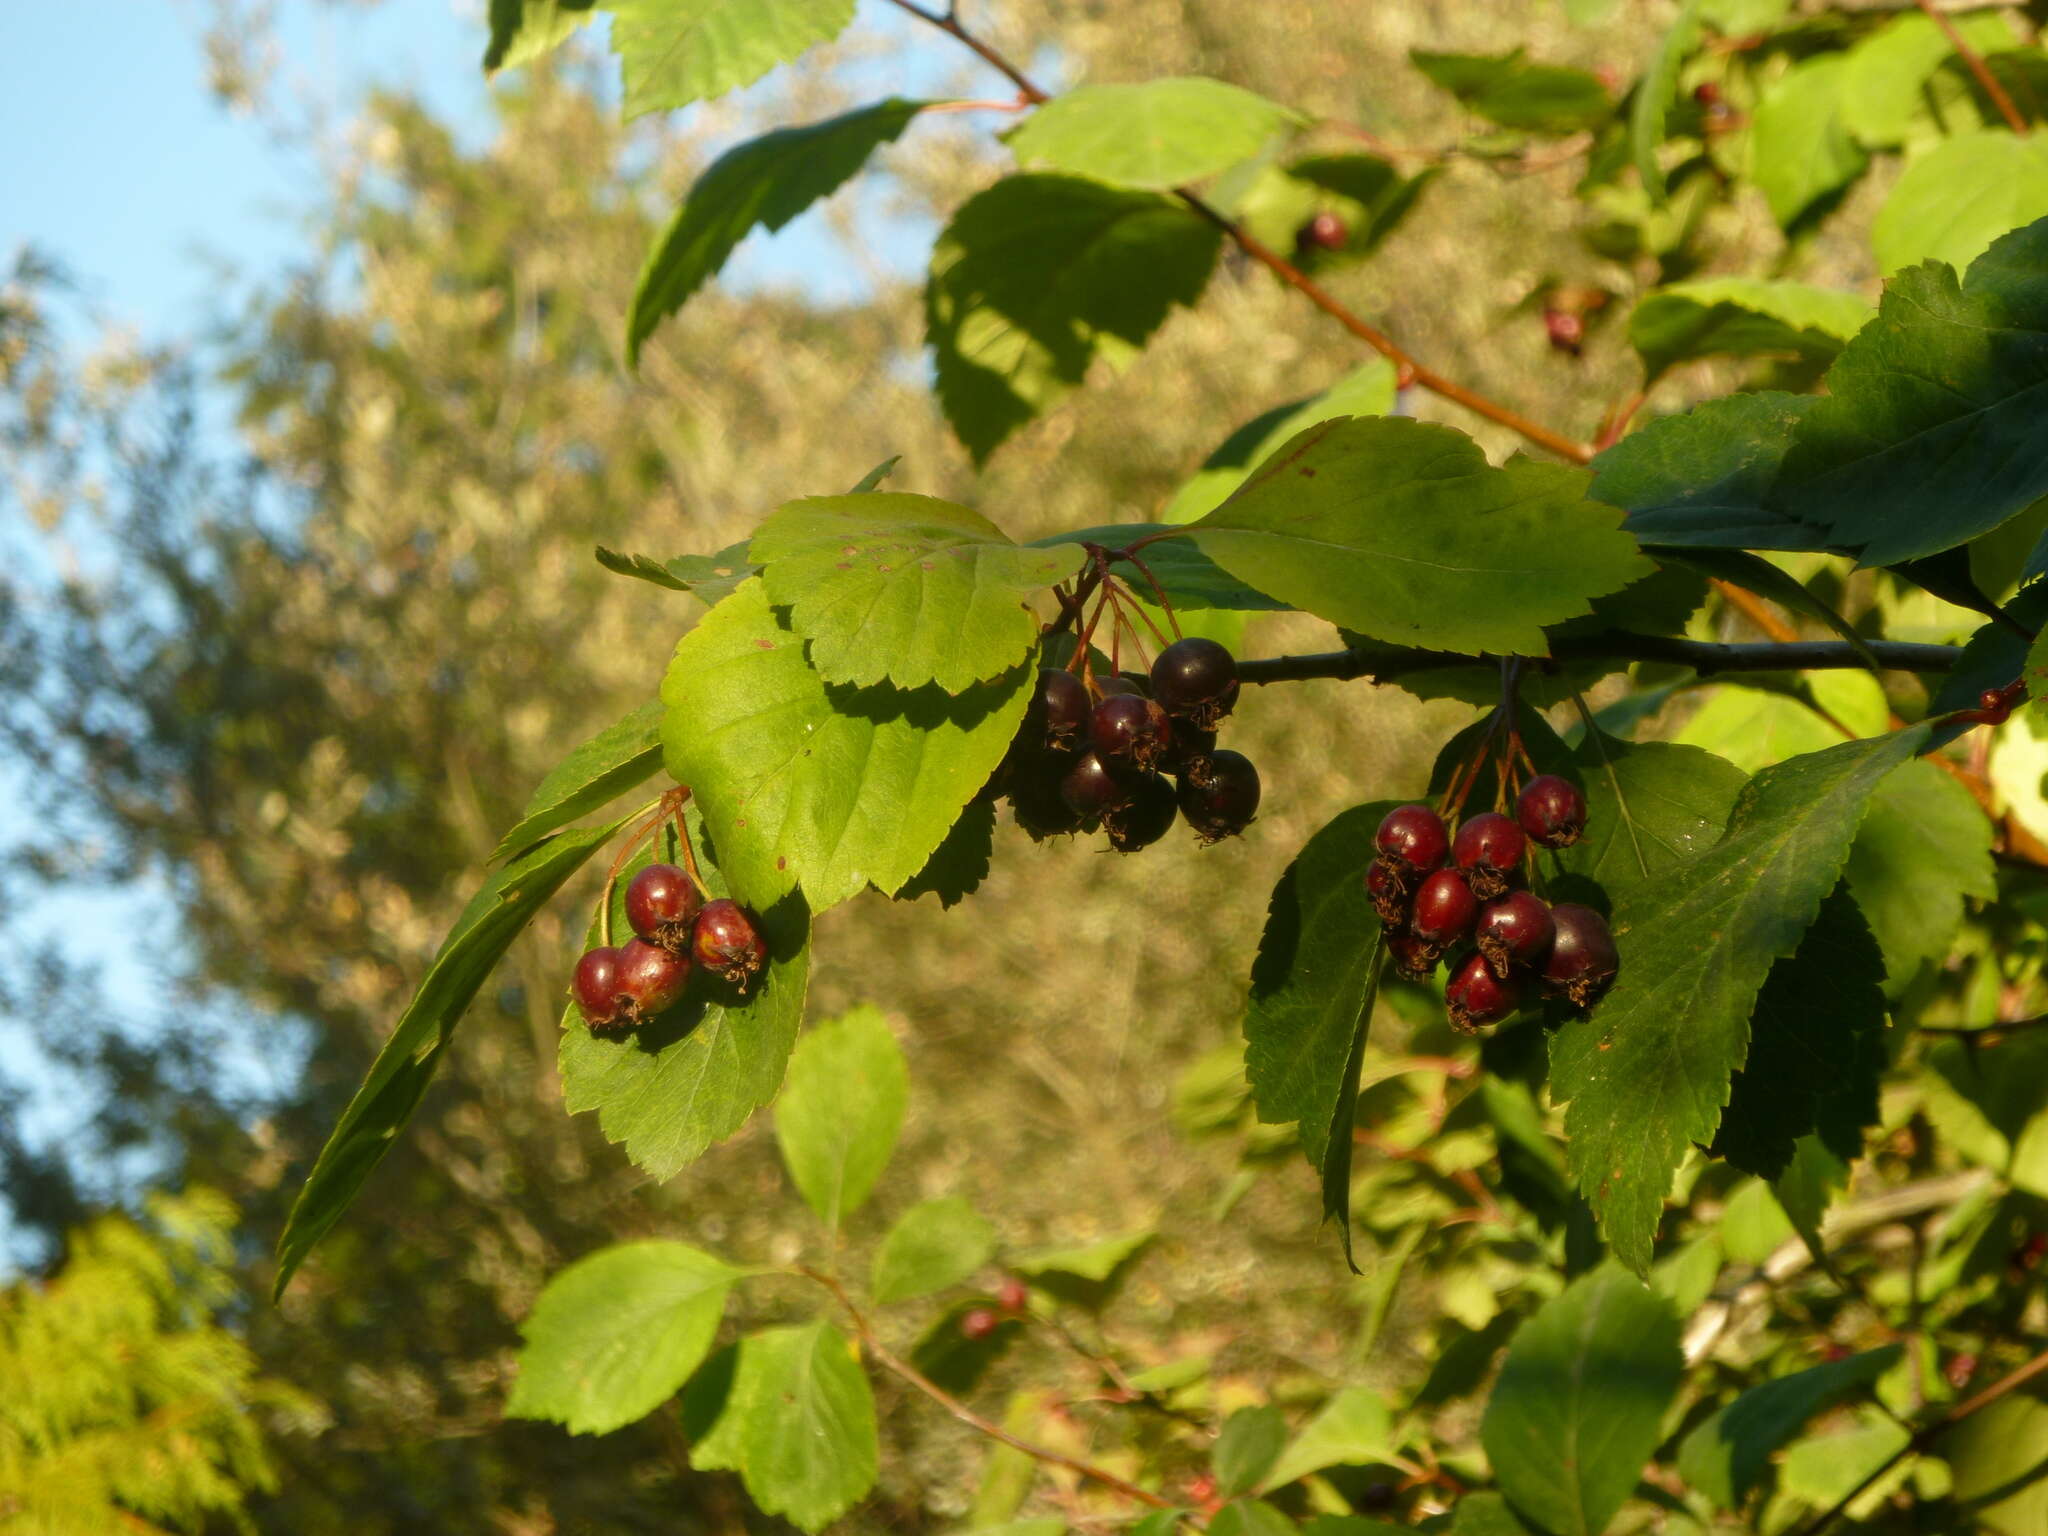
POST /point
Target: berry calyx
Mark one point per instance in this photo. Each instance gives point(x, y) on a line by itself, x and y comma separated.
point(727, 942)
point(1476, 997)
point(1551, 811)
point(1488, 848)
point(1036, 799)
point(1187, 755)
point(1130, 728)
point(651, 977)
point(1583, 958)
point(1389, 896)
point(1444, 909)
point(1191, 678)
point(598, 995)
point(1145, 818)
point(1412, 840)
point(1058, 713)
point(978, 1323)
point(1013, 1296)
point(1414, 959)
point(661, 901)
point(1093, 786)
point(1516, 930)
point(1225, 805)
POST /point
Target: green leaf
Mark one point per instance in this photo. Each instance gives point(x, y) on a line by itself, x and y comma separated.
point(495, 916)
point(933, 1245)
point(1250, 1517)
point(905, 589)
point(1890, 70)
point(1758, 575)
point(693, 1076)
point(1191, 578)
point(841, 1110)
point(1704, 478)
point(960, 863)
point(872, 480)
point(1158, 134)
point(1651, 104)
point(830, 788)
point(1486, 1514)
point(603, 768)
point(1246, 1448)
point(797, 1424)
point(523, 30)
point(1924, 846)
point(617, 1333)
point(1353, 1428)
point(1930, 432)
point(1728, 1454)
point(2001, 1466)
point(674, 52)
point(1816, 1048)
point(1580, 1401)
point(1650, 806)
point(1403, 532)
point(1800, 147)
point(1959, 196)
point(1368, 391)
point(706, 577)
point(1040, 275)
point(1084, 1276)
point(1647, 1073)
point(1825, 1468)
point(1367, 193)
point(1807, 1187)
point(1742, 317)
point(761, 184)
point(1513, 92)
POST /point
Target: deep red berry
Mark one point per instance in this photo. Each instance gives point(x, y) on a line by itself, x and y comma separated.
point(1476, 997)
point(1036, 798)
point(1389, 895)
point(1145, 818)
point(660, 903)
point(1551, 811)
point(1225, 805)
point(1583, 958)
point(1707, 93)
point(1414, 959)
point(1489, 849)
point(597, 991)
point(1325, 231)
point(1567, 331)
point(1187, 755)
point(1093, 785)
point(1191, 678)
point(1958, 1370)
point(1444, 909)
point(1059, 710)
point(652, 977)
point(1412, 839)
point(727, 942)
point(1515, 931)
point(978, 1324)
point(1013, 1296)
point(1130, 729)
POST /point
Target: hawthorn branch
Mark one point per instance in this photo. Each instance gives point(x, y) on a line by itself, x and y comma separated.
point(1703, 656)
point(1410, 370)
point(1974, 61)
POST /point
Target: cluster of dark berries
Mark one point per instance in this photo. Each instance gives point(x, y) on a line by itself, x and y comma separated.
point(1460, 897)
point(675, 928)
point(1128, 754)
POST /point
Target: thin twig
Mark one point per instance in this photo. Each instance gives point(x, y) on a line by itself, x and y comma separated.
point(1704, 656)
point(1974, 61)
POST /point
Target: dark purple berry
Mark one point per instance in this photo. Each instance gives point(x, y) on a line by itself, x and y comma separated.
point(727, 943)
point(978, 1324)
point(1094, 785)
point(1192, 677)
point(1187, 755)
point(1035, 795)
point(652, 977)
point(1059, 710)
point(1443, 910)
point(1412, 840)
point(1146, 818)
point(1389, 896)
point(1476, 997)
point(1583, 958)
point(1489, 849)
point(1131, 729)
point(1413, 958)
point(660, 903)
point(598, 995)
point(1225, 805)
point(1516, 931)
point(1551, 811)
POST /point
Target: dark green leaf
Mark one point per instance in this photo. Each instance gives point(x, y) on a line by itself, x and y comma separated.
point(1924, 846)
point(1705, 478)
point(763, 184)
point(1040, 275)
point(1801, 146)
point(960, 863)
point(933, 1245)
point(1515, 93)
point(617, 1333)
point(1650, 806)
point(674, 52)
point(1651, 104)
point(523, 30)
point(1742, 317)
point(1246, 1448)
point(1728, 1455)
point(1647, 1072)
point(841, 1110)
point(1994, 656)
point(494, 917)
point(1758, 575)
point(953, 1360)
point(1157, 134)
point(1959, 196)
point(603, 768)
point(1486, 1514)
point(1580, 1401)
point(1403, 532)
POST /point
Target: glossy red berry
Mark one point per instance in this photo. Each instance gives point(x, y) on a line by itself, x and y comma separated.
point(1059, 710)
point(727, 942)
point(652, 977)
point(1551, 811)
point(1130, 728)
point(1013, 1296)
point(660, 903)
point(1489, 849)
point(1145, 818)
point(598, 995)
point(1444, 909)
point(1476, 997)
point(978, 1323)
point(1414, 959)
point(1515, 931)
point(1412, 839)
point(1094, 786)
point(1225, 805)
point(1389, 896)
point(1583, 958)
point(1191, 678)
point(1036, 799)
